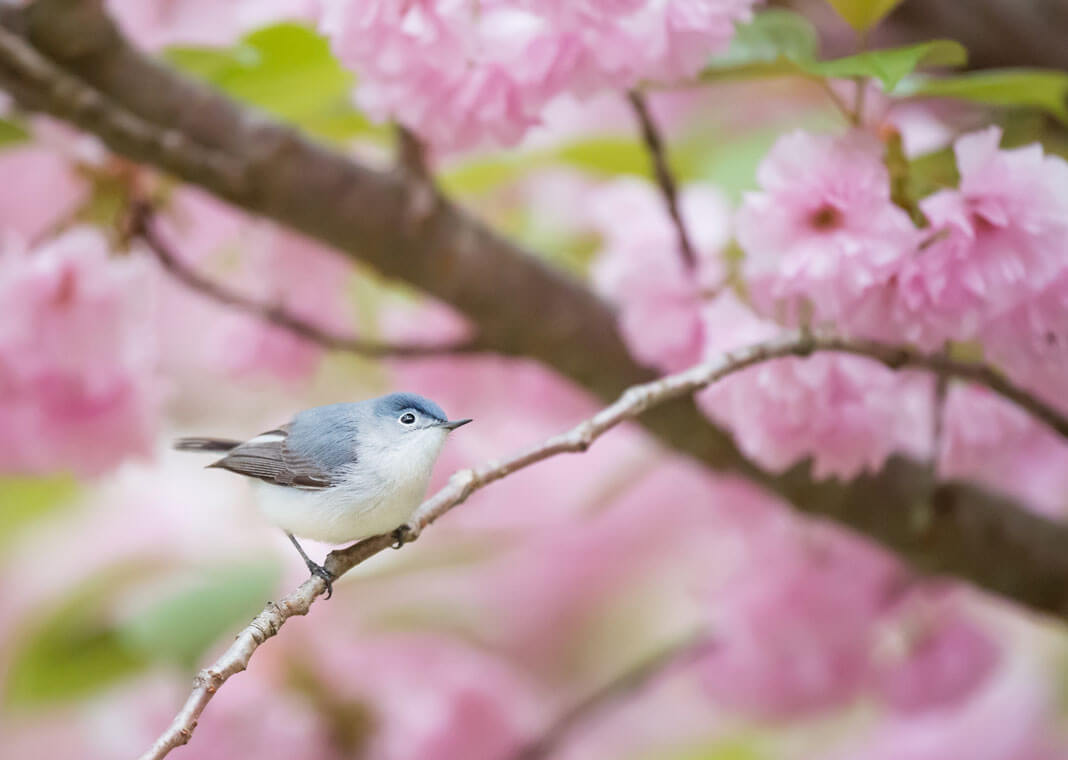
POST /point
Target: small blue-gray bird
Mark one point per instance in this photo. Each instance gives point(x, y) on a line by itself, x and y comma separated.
point(341, 472)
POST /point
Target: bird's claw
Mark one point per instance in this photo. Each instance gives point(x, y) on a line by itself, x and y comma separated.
point(400, 536)
point(326, 575)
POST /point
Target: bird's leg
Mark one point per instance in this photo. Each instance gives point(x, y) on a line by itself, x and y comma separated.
point(400, 536)
point(315, 569)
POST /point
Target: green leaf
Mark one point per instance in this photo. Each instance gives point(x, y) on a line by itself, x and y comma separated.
point(771, 35)
point(12, 133)
point(889, 66)
point(74, 649)
point(718, 749)
point(1035, 88)
point(180, 627)
point(892, 65)
point(862, 15)
point(24, 499)
point(288, 71)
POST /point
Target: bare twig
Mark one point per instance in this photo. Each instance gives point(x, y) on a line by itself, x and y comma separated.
point(633, 402)
point(662, 170)
point(622, 686)
point(142, 225)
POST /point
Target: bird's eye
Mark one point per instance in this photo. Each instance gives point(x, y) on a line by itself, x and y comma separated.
point(407, 418)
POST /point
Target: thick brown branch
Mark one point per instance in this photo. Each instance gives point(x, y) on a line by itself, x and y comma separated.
point(665, 178)
point(79, 68)
point(902, 508)
point(142, 226)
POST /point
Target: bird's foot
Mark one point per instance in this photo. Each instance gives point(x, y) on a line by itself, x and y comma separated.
point(400, 536)
point(325, 574)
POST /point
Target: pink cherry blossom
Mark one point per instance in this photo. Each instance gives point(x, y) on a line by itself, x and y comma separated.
point(430, 697)
point(641, 268)
point(935, 655)
point(1014, 699)
point(994, 244)
point(1030, 342)
point(848, 413)
point(462, 74)
point(822, 229)
point(47, 192)
point(991, 440)
point(77, 358)
point(794, 624)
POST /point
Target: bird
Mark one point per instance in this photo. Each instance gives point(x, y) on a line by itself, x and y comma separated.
point(342, 472)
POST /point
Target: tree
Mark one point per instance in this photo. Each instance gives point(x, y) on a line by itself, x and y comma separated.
point(872, 329)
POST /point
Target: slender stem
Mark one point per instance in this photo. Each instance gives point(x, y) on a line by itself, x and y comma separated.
point(626, 684)
point(654, 143)
point(142, 225)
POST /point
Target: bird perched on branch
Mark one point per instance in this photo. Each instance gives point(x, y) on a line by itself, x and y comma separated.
point(342, 472)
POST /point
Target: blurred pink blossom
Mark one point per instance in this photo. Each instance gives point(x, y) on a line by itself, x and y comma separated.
point(429, 696)
point(849, 413)
point(47, 191)
point(77, 357)
point(1030, 342)
point(155, 24)
point(1009, 718)
point(640, 267)
point(822, 230)
point(793, 626)
point(462, 74)
point(261, 261)
point(990, 440)
point(940, 658)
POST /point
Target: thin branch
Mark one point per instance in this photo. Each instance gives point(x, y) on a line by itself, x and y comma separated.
point(141, 220)
point(654, 143)
point(632, 403)
point(622, 686)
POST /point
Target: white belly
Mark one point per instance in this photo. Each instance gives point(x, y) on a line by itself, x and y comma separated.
point(336, 515)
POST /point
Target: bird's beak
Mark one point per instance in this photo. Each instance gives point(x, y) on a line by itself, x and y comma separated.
point(453, 424)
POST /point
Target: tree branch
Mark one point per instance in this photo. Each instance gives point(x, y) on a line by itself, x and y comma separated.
point(662, 170)
point(66, 58)
point(142, 226)
point(1045, 569)
point(624, 685)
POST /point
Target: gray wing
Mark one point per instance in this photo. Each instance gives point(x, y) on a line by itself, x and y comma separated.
point(310, 452)
point(270, 457)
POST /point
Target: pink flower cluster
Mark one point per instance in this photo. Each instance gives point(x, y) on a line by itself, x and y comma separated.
point(825, 244)
point(462, 73)
point(812, 618)
point(77, 356)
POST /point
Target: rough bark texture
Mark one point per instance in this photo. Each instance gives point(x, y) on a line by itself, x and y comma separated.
point(66, 58)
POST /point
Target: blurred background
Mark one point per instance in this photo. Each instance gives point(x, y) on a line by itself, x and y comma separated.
point(125, 566)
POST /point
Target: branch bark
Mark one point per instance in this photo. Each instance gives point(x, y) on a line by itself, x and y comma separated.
point(901, 508)
point(66, 58)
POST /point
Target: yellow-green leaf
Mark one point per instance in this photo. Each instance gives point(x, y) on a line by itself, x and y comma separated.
point(288, 71)
point(24, 499)
point(1036, 88)
point(862, 15)
point(891, 65)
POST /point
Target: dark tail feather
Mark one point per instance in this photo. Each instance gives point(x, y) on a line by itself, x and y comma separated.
point(205, 444)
